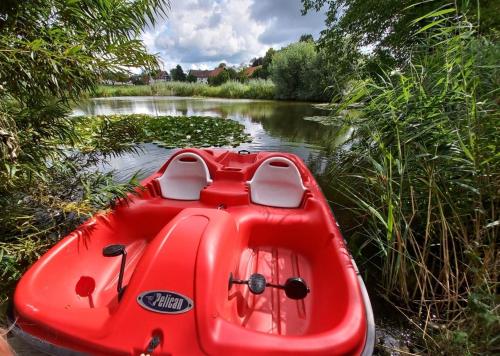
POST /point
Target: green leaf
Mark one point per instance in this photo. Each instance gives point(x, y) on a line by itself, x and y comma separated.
point(434, 14)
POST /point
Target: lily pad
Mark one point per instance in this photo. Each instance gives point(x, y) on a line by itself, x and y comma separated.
point(112, 133)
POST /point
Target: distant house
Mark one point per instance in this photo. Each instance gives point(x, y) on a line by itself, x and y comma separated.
point(203, 75)
point(162, 76)
point(140, 79)
point(250, 70)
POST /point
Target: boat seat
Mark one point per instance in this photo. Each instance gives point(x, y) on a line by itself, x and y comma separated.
point(185, 176)
point(277, 182)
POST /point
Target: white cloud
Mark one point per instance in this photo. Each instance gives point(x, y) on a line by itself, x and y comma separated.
point(203, 33)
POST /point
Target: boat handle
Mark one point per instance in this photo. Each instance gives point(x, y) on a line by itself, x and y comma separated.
point(153, 344)
point(294, 287)
point(243, 152)
point(113, 251)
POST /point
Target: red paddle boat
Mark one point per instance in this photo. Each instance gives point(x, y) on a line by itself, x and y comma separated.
point(219, 253)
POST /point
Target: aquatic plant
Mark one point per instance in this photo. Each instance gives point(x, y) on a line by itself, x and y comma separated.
point(253, 89)
point(421, 177)
point(111, 133)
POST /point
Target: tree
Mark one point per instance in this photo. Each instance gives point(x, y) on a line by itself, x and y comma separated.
point(263, 73)
point(224, 76)
point(339, 60)
point(258, 74)
point(52, 51)
point(191, 78)
point(219, 79)
point(115, 77)
point(389, 24)
point(306, 38)
point(241, 76)
point(178, 74)
point(256, 62)
point(154, 73)
point(296, 73)
point(140, 79)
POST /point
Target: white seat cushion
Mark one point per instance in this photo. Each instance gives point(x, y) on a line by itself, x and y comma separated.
point(186, 175)
point(277, 182)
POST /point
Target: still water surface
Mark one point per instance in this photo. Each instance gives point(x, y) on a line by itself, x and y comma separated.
point(273, 126)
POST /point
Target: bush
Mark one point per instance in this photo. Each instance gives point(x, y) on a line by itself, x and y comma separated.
point(302, 72)
point(290, 71)
point(51, 53)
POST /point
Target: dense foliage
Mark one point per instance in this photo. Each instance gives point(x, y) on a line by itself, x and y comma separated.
point(52, 51)
point(290, 70)
point(263, 72)
point(420, 175)
point(387, 25)
point(301, 71)
point(178, 74)
point(224, 76)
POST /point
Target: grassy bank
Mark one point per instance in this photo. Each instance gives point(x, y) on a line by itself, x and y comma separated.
point(254, 89)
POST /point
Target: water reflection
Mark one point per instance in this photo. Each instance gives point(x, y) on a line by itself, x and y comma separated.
point(274, 126)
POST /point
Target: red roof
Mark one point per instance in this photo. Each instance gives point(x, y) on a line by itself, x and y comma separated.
point(250, 70)
point(162, 75)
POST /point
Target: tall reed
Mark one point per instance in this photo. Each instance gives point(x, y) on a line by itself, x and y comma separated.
point(421, 175)
point(253, 89)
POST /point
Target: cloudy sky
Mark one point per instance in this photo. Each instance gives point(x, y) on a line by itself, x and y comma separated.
point(199, 34)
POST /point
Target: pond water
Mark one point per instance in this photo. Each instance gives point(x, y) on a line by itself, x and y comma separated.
point(273, 126)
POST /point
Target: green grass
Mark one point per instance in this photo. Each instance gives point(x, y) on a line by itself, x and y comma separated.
point(122, 90)
point(254, 89)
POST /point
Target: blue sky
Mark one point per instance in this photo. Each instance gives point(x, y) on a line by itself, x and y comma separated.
point(199, 34)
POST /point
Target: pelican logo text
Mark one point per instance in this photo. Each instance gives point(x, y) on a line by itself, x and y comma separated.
point(164, 301)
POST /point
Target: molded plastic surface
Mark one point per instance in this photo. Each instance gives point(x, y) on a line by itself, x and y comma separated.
point(69, 297)
point(186, 175)
point(277, 183)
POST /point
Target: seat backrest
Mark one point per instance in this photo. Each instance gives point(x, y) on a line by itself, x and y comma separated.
point(185, 176)
point(277, 182)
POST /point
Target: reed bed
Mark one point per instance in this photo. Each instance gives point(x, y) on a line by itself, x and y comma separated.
point(421, 176)
point(253, 89)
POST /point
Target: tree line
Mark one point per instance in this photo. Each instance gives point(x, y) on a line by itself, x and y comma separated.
point(301, 71)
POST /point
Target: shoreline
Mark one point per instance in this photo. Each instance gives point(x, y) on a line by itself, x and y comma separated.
point(262, 90)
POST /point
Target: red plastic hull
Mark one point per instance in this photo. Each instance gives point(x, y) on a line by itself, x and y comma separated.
point(191, 247)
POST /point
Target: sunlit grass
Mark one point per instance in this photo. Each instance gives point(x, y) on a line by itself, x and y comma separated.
point(253, 89)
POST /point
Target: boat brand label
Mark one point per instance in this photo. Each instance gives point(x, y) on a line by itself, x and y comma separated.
point(165, 301)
